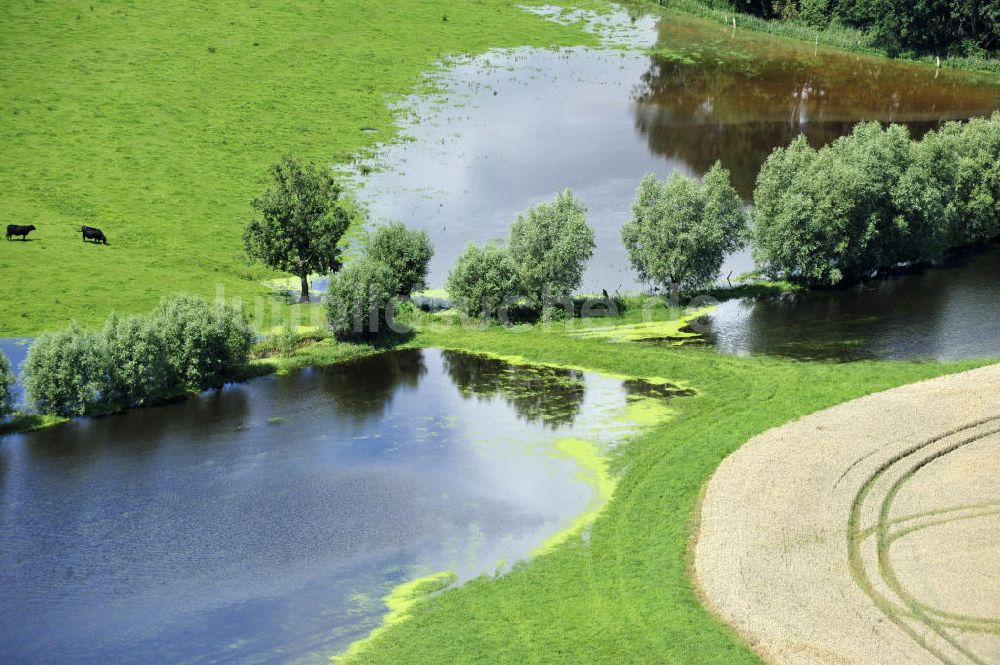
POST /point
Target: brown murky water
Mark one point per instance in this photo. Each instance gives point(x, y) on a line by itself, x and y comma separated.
point(513, 128)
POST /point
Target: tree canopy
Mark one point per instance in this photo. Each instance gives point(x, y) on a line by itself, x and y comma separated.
point(921, 26)
point(825, 215)
point(876, 199)
point(301, 218)
point(359, 299)
point(6, 387)
point(405, 252)
point(186, 344)
point(681, 230)
point(61, 372)
point(551, 244)
point(484, 280)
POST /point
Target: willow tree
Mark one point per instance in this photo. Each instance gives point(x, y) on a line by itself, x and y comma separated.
point(681, 230)
point(551, 244)
point(6, 387)
point(301, 218)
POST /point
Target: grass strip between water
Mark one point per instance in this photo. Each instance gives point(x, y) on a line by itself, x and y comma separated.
point(619, 590)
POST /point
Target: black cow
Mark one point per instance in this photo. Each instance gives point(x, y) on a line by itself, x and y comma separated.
point(90, 233)
point(17, 230)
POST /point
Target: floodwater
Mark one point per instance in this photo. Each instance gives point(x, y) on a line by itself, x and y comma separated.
point(265, 522)
point(16, 350)
point(943, 313)
point(513, 128)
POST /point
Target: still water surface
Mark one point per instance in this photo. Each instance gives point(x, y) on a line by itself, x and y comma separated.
point(265, 522)
point(512, 128)
point(946, 313)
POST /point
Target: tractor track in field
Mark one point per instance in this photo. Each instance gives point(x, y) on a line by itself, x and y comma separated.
point(899, 604)
point(866, 533)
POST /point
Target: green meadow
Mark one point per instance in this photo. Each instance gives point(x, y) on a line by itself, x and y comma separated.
point(156, 122)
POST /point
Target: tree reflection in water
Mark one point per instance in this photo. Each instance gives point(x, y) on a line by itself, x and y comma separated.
point(548, 395)
point(735, 101)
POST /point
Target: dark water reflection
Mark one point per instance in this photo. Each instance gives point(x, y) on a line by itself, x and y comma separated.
point(547, 395)
point(945, 313)
point(264, 523)
point(516, 127)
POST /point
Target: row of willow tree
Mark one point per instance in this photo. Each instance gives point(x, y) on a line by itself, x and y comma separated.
point(6, 387)
point(870, 201)
point(876, 199)
point(873, 200)
point(185, 345)
point(542, 262)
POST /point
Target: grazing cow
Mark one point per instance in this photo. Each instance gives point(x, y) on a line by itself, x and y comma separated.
point(17, 230)
point(90, 233)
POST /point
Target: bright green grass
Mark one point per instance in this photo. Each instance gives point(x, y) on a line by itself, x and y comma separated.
point(624, 594)
point(117, 115)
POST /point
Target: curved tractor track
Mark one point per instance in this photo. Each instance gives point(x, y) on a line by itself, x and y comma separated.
point(866, 533)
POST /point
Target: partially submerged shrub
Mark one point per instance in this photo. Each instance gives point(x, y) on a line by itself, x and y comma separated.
point(826, 215)
point(132, 357)
point(361, 298)
point(950, 194)
point(6, 387)
point(551, 244)
point(205, 345)
point(185, 344)
point(681, 230)
point(484, 280)
point(876, 199)
point(405, 252)
point(61, 373)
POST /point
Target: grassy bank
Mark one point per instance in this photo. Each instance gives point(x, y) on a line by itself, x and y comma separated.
point(156, 121)
point(836, 35)
point(622, 593)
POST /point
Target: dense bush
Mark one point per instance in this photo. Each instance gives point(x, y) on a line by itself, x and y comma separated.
point(952, 186)
point(405, 252)
point(681, 230)
point(483, 280)
point(876, 199)
point(6, 387)
point(551, 244)
point(132, 362)
point(205, 345)
point(61, 374)
point(360, 298)
point(815, 12)
point(825, 215)
point(186, 344)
